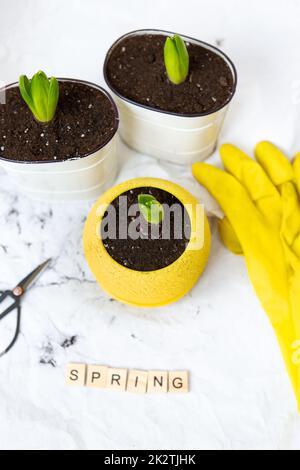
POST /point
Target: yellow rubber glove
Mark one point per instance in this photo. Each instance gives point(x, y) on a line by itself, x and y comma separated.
point(261, 204)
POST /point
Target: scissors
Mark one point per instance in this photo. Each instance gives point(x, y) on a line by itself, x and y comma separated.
point(16, 294)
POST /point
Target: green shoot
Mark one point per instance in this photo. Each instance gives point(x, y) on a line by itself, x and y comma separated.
point(41, 95)
point(176, 59)
point(150, 208)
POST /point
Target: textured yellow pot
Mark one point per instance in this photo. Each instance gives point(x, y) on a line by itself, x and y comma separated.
point(150, 288)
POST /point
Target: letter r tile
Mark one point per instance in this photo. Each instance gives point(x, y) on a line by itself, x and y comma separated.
point(117, 379)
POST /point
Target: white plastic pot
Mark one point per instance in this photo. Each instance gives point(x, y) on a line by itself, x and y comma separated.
point(166, 135)
point(74, 179)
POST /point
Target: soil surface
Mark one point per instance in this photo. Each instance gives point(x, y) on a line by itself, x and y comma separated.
point(136, 70)
point(84, 121)
point(151, 250)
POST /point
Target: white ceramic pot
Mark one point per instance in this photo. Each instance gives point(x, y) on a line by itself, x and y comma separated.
point(166, 135)
point(74, 179)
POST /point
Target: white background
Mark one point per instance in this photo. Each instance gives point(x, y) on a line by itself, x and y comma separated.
point(240, 396)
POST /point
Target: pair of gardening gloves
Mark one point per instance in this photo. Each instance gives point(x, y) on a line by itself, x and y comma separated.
point(260, 200)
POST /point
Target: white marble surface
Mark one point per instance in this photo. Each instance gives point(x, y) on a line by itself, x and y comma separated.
point(240, 396)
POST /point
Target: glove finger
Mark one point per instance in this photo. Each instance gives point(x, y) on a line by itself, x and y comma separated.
point(229, 237)
point(246, 221)
point(253, 177)
point(274, 162)
point(229, 193)
point(290, 227)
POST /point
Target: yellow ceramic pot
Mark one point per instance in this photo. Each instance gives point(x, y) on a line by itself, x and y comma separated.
point(150, 288)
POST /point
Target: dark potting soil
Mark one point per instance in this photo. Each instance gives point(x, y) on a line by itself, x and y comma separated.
point(136, 70)
point(84, 121)
point(149, 251)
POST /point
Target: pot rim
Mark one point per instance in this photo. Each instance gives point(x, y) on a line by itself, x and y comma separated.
point(99, 147)
point(187, 38)
point(158, 183)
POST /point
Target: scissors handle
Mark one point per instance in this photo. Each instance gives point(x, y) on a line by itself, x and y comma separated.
point(16, 335)
point(16, 295)
point(14, 305)
point(3, 295)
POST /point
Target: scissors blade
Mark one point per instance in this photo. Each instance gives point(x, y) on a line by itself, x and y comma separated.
point(28, 280)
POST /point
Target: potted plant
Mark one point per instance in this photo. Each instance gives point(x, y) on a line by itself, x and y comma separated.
point(58, 137)
point(172, 93)
point(147, 242)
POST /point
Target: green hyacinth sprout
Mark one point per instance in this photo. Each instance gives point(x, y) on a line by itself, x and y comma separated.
point(41, 95)
point(176, 59)
point(150, 208)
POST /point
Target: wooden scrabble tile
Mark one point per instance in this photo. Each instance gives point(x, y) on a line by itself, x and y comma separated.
point(96, 376)
point(157, 381)
point(117, 379)
point(76, 375)
point(178, 381)
point(137, 381)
